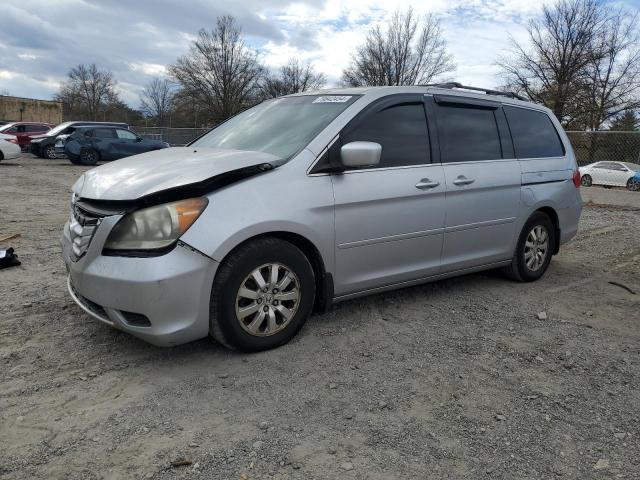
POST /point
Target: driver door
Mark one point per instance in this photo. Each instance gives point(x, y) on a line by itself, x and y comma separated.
point(389, 220)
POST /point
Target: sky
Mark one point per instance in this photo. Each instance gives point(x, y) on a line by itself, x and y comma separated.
point(40, 40)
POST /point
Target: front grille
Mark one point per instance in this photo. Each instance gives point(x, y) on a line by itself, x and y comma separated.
point(82, 226)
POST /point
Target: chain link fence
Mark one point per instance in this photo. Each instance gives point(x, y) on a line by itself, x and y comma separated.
point(589, 147)
point(609, 146)
point(173, 136)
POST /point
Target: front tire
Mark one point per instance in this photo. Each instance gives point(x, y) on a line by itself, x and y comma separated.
point(50, 152)
point(88, 156)
point(633, 185)
point(261, 296)
point(586, 181)
point(534, 250)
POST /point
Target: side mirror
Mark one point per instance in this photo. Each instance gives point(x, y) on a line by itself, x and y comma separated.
point(138, 139)
point(361, 154)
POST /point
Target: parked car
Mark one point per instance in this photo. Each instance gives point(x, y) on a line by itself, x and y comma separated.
point(612, 174)
point(9, 147)
point(634, 184)
point(44, 145)
point(315, 198)
point(88, 145)
point(25, 131)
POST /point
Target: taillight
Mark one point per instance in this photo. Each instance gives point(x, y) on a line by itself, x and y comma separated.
point(576, 178)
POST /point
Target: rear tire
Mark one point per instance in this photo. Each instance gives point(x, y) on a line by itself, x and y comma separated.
point(633, 185)
point(586, 181)
point(275, 316)
point(534, 249)
point(88, 156)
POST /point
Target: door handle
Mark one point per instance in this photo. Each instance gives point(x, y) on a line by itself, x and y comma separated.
point(426, 184)
point(462, 180)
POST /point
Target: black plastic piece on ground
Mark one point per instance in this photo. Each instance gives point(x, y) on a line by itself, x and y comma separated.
point(8, 258)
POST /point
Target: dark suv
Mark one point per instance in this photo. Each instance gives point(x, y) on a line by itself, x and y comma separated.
point(44, 145)
point(88, 145)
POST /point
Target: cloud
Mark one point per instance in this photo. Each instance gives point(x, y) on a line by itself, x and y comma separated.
point(40, 40)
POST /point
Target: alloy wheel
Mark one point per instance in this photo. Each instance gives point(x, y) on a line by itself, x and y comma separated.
point(267, 299)
point(89, 156)
point(536, 248)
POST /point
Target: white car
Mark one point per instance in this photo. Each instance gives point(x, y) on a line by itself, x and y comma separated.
point(9, 147)
point(613, 174)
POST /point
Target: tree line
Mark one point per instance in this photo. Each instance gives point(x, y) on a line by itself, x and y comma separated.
point(581, 59)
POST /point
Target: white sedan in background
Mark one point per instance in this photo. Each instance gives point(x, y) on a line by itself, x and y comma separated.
point(9, 147)
point(613, 174)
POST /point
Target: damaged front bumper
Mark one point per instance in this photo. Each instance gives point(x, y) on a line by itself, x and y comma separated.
point(163, 300)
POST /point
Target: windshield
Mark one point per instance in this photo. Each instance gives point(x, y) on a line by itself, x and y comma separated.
point(56, 130)
point(6, 127)
point(281, 127)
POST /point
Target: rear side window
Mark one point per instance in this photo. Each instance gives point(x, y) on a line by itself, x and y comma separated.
point(401, 130)
point(467, 134)
point(104, 133)
point(611, 166)
point(534, 135)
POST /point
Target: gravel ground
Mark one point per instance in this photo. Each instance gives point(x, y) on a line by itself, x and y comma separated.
point(455, 379)
point(608, 196)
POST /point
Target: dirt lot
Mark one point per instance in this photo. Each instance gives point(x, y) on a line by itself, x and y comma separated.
point(456, 379)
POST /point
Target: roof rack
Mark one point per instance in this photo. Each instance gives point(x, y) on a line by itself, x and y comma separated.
point(452, 85)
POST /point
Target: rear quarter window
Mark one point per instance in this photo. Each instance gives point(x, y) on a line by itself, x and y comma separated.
point(533, 133)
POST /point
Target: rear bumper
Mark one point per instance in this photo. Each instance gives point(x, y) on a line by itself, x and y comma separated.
point(162, 300)
point(569, 218)
point(11, 153)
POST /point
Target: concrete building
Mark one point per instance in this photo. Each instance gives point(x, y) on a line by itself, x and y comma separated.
point(16, 109)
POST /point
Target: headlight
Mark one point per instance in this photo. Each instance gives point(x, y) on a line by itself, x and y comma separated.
point(155, 227)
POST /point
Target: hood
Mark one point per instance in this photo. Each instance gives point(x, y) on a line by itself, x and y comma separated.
point(141, 175)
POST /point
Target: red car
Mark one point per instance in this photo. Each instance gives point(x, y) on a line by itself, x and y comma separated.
point(24, 131)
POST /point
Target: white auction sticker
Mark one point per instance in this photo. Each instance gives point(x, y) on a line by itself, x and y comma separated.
point(332, 99)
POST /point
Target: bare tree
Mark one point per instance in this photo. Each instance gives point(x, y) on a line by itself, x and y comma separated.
point(409, 52)
point(553, 70)
point(613, 73)
point(156, 99)
point(88, 91)
point(220, 70)
point(292, 78)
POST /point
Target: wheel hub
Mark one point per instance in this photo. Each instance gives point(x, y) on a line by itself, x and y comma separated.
point(267, 299)
point(536, 248)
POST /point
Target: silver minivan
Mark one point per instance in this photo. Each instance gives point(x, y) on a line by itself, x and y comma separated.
point(314, 198)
